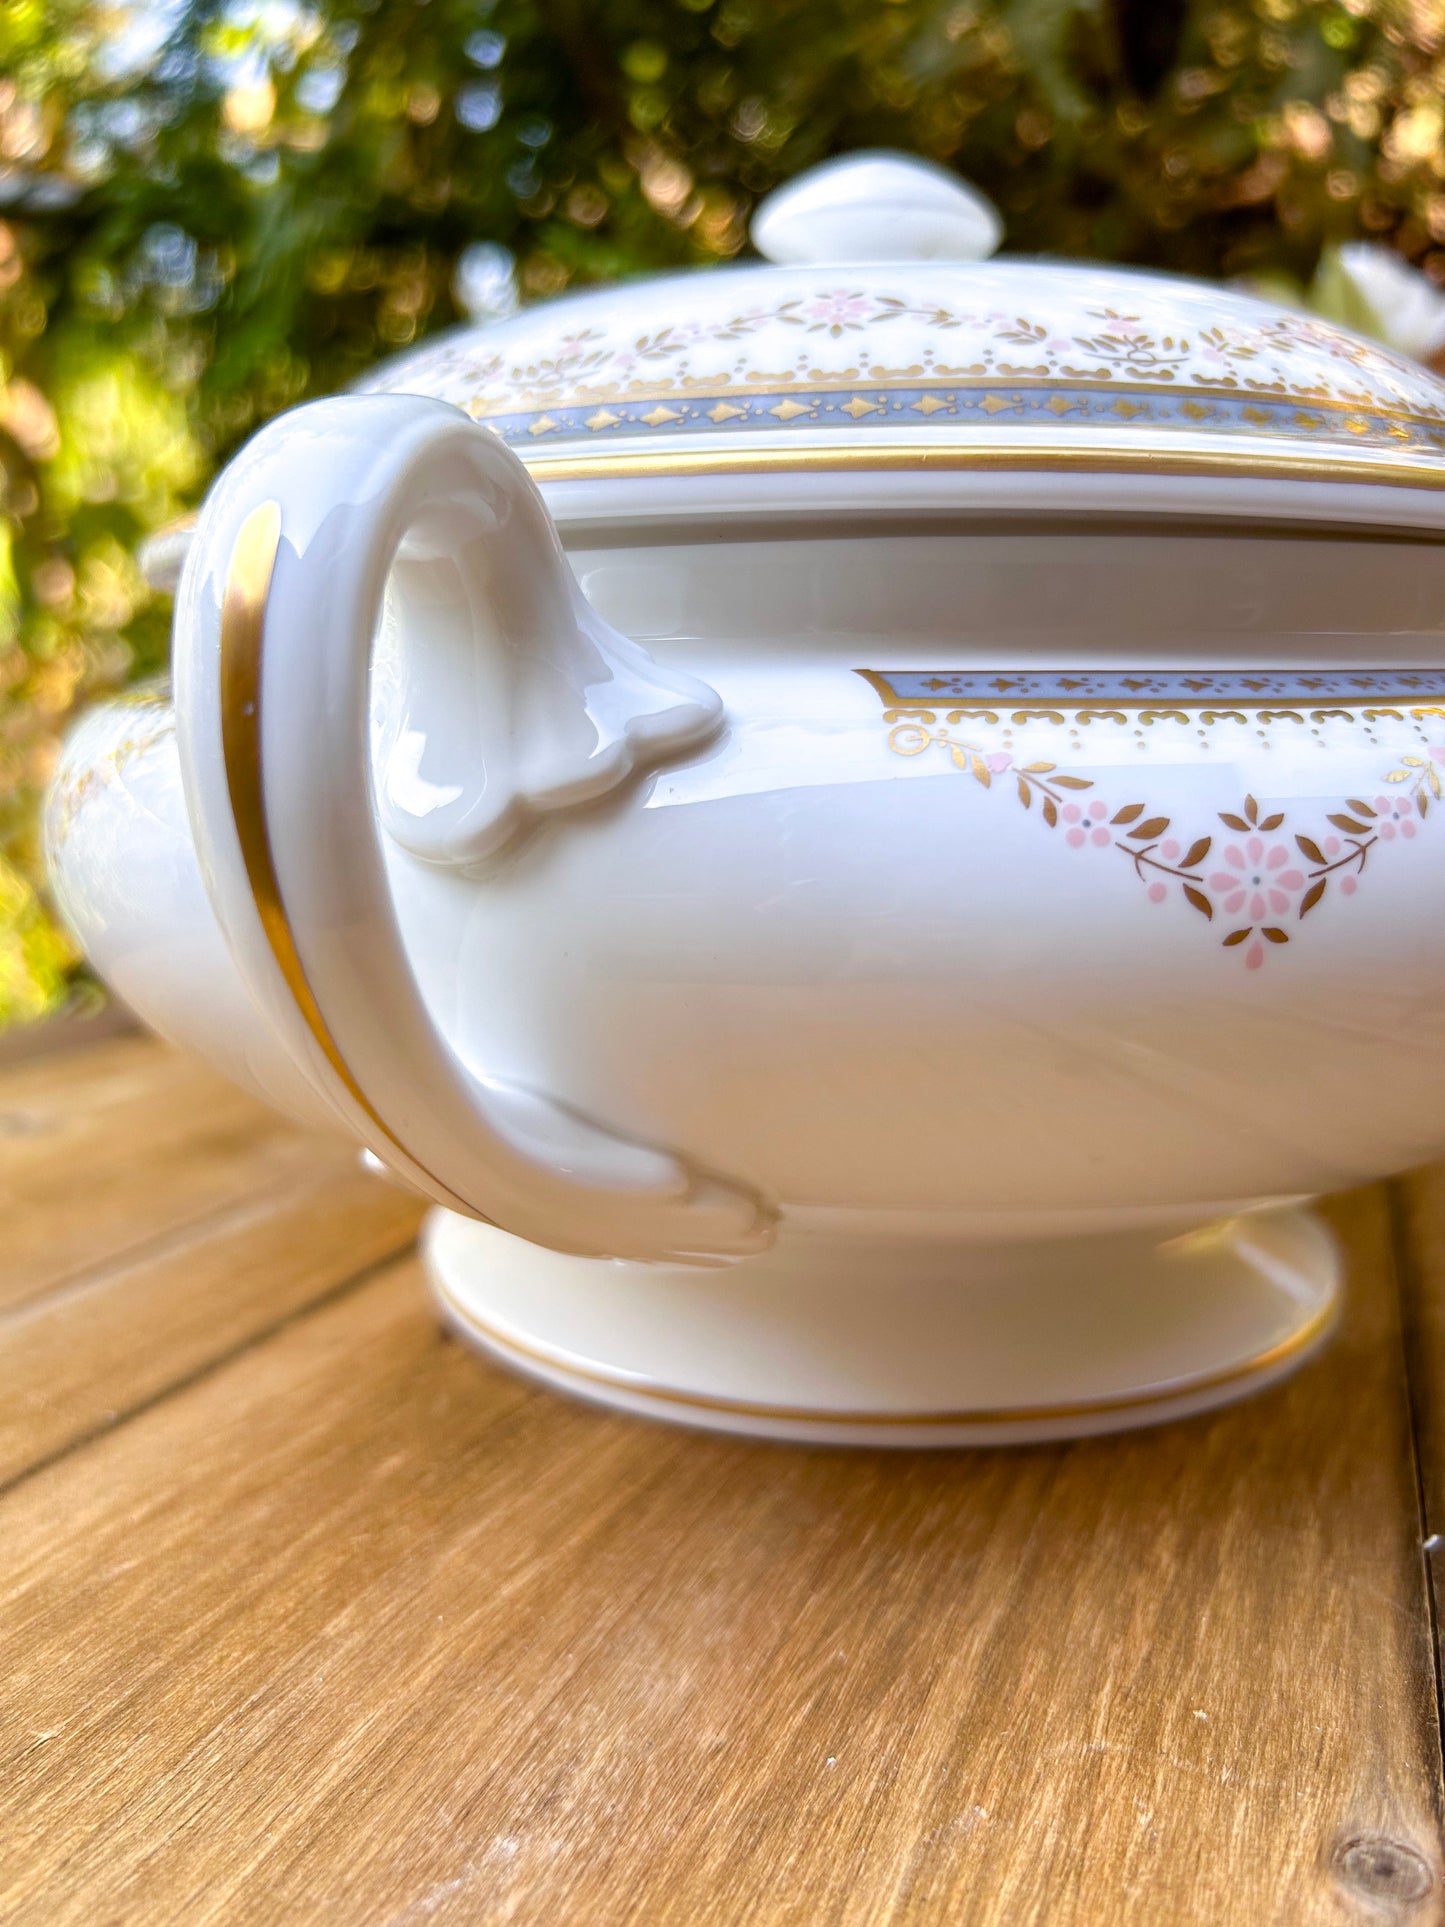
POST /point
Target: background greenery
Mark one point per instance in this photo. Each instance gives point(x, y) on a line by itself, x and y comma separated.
point(209, 212)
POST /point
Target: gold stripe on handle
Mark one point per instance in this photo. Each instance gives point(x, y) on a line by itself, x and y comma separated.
point(243, 626)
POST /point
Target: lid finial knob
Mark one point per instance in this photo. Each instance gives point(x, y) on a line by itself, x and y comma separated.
point(878, 206)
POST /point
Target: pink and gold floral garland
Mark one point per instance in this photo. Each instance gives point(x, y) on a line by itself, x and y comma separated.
point(1255, 881)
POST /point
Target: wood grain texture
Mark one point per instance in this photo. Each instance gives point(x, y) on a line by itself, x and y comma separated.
point(106, 1150)
point(357, 1629)
point(1419, 1205)
point(84, 1356)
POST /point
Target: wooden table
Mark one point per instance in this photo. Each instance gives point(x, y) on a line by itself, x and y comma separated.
point(310, 1615)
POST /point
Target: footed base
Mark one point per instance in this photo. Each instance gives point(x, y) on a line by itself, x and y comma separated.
point(849, 1340)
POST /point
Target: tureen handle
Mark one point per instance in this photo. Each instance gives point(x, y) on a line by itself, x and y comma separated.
point(283, 594)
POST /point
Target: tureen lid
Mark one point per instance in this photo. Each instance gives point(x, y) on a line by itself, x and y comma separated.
point(877, 335)
point(881, 338)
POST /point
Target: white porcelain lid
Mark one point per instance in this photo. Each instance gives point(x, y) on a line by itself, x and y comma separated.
point(880, 337)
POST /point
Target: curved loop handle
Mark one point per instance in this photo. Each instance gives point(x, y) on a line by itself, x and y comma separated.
point(283, 594)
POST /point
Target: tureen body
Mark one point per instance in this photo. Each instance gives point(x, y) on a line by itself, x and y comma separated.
point(881, 940)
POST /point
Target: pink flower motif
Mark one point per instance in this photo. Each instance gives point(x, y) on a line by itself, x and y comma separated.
point(837, 310)
point(1071, 813)
point(1437, 752)
point(1347, 886)
point(1394, 813)
point(1098, 811)
point(1169, 849)
point(1254, 956)
point(1333, 846)
point(998, 761)
point(1259, 878)
point(1157, 892)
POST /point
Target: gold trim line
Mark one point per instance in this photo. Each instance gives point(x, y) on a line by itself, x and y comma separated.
point(243, 623)
point(1295, 1345)
point(1040, 457)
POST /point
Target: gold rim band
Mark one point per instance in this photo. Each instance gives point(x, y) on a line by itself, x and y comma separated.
point(618, 463)
point(243, 625)
point(1290, 1348)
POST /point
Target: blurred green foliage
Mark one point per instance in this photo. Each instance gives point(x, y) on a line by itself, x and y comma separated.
point(209, 212)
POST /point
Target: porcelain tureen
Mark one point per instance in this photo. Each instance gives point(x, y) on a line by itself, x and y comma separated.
point(867, 826)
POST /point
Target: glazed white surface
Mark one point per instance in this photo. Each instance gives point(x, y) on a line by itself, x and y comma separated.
point(861, 984)
point(851, 1341)
point(123, 867)
point(981, 877)
point(562, 710)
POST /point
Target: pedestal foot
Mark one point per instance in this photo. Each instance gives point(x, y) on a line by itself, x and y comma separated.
point(856, 1341)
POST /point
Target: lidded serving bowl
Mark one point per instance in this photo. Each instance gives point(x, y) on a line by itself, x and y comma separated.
point(868, 827)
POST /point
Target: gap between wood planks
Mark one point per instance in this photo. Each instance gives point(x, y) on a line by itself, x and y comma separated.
point(1411, 1220)
point(252, 1342)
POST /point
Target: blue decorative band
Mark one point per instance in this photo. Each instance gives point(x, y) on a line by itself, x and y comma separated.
point(1139, 686)
point(942, 405)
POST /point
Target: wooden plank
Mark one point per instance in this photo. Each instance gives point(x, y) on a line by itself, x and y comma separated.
point(1420, 1231)
point(81, 1025)
point(357, 1628)
point(103, 1151)
point(85, 1356)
